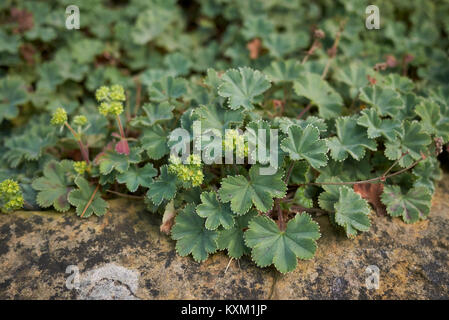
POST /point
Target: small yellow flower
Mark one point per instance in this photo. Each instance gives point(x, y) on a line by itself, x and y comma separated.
point(116, 108)
point(117, 93)
point(59, 117)
point(102, 93)
point(104, 108)
point(80, 120)
point(80, 166)
point(11, 197)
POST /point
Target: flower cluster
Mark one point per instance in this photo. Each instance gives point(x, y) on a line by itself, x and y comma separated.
point(80, 167)
point(80, 120)
point(59, 117)
point(190, 171)
point(110, 99)
point(235, 141)
point(11, 197)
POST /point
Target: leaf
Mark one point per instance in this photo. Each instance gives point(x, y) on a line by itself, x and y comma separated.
point(426, 172)
point(305, 144)
point(178, 64)
point(82, 199)
point(284, 70)
point(411, 141)
point(55, 185)
point(301, 199)
point(232, 239)
point(371, 192)
point(281, 44)
point(258, 190)
point(135, 177)
point(167, 89)
point(376, 126)
point(163, 188)
point(412, 206)
point(320, 93)
point(282, 248)
point(111, 160)
point(191, 236)
point(351, 140)
point(215, 117)
point(12, 94)
point(354, 75)
point(85, 50)
point(215, 212)
point(154, 113)
point(242, 86)
point(154, 142)
point(151, 23)
point(398, 83)
point(351, 212)
point(385, 101)
point(9, 43)
point(432, 120)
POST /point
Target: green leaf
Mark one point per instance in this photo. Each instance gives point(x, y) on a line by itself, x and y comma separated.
point(9, 43)
point(412, 206)
point(215, 212)
point(178, 64)
point(258, 190)
point(191, 235)
point(154, 142)
point(215, 117)
point(154, 113)
point(135, 177)
point(426, 172)
point(85, 50)
point(351, 140)
point(81, 198)
point(167, 89)
point(163, 188)
point(398, 83)
point(12, 94)
point(301, 199)
point(386, 101)
point(432, 120)
point(232, 239)
point(151, 23)
point(111, 160)
point(352, 212)
point(306, 144)
point(242, 86)
point(411, 140)
point(284, 70)
point(281, 44)
point(270, 245)
point(376, 126)
point(55, 185)
point(320, 93)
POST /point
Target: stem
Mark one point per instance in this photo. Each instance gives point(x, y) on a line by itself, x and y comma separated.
point(138, 95)
point(122, 132)
point(280, 215)
point(394, 164)
point(125, 195)
point(84, 150)
point(310, 51)
point(90, 200)
point(382, 177)
point(289, 172)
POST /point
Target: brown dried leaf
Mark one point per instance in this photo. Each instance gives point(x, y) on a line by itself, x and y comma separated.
point(371, 192)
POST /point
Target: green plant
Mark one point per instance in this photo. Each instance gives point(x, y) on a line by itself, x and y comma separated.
point(357, 125)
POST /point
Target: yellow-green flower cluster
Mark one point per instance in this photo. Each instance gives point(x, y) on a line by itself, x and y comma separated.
point(235, 141)
point(190, 171)
point(59, 117)
point(110, 99)
point(11, 197)
point(80, 166)
point(80, 120)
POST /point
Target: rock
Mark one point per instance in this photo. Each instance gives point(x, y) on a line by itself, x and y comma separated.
point(123, 255)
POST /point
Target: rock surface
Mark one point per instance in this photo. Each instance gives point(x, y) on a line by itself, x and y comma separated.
point(47, 255)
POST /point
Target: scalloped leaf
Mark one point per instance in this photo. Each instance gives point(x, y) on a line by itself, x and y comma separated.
point(154, 113)
point(167, 89)
point(242, 86)
point(320, 93)
point(305, 144)
point(351, 140)
point(352, 212)
point(284, 70)
point(386, 101)
point(376, 126)
point(258, 190)
point(232, 239)
point(111, 160)
point(412, 206)
point(216, 213)
point(282, 248)
point(53, 188)
point(191, 235)
point(81, 198)
point(163, 188)
point(135, 177)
